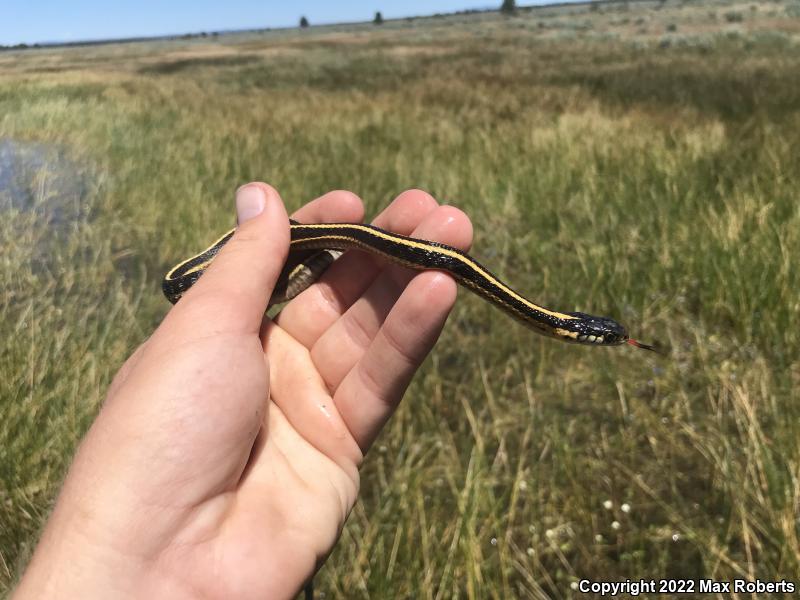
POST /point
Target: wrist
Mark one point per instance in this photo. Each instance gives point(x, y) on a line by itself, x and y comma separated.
point(73, 566)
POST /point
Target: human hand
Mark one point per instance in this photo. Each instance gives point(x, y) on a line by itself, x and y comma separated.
point(225, 459)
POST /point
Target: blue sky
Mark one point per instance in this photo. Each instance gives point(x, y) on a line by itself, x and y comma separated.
point(31, 21)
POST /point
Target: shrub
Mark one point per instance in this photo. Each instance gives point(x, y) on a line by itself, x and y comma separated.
point(509, 7)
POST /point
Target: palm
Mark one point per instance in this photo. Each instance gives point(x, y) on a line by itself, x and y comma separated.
point(291, 498)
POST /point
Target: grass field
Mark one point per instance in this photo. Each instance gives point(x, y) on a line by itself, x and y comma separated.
point(637, 160)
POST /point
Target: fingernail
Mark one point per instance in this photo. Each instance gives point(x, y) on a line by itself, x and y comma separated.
point(250, 202)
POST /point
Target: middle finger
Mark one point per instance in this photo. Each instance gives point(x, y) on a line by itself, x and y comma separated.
point(343, 344)
point(312, 312)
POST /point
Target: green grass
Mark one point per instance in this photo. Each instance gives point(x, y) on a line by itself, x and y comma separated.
point(605, 173)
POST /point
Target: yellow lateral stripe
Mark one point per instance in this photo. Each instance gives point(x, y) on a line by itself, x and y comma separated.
point(380, 234)
point(359, 244)
point(199, 267)
point(447, 252)
point(169, 276)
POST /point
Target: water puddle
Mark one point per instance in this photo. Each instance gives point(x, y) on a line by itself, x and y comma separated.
point(42, 178)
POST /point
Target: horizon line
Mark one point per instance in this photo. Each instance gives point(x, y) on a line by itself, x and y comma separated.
point(221, 32)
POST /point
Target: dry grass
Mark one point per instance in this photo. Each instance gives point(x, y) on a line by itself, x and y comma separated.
point(657, 183)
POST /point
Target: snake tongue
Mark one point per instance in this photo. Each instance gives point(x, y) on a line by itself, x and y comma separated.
point(639, 344)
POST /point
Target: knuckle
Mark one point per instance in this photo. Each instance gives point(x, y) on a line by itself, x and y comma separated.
point(356, 330)
point(407, 353)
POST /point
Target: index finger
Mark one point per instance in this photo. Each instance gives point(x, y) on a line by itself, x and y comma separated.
point(338, 206)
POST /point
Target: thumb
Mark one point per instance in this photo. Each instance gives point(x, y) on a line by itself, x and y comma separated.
point(234, 291)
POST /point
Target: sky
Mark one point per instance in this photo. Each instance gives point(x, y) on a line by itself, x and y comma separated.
point(38, 21)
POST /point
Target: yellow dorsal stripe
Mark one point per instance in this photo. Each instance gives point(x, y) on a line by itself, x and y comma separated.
point(333, 232)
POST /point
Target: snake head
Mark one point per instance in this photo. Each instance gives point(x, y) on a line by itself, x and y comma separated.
point(598, 330)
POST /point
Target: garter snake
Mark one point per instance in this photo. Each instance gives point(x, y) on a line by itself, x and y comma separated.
point(315, 246)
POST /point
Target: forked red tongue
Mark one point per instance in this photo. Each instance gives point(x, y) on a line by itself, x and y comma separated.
point(639, 344)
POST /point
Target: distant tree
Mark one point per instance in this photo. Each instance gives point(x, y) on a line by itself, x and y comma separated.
point(378, 20)
point(303, 22)
point(508, 7)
